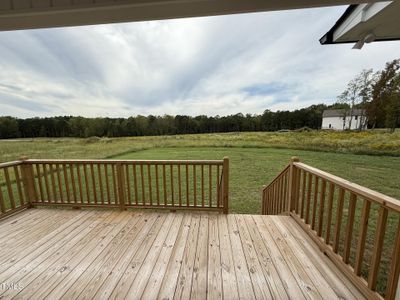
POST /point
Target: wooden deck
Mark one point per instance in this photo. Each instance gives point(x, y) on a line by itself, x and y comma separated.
point(88, 254)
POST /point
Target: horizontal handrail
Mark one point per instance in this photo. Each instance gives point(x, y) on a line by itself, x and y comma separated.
point(11, 164)
point(325, 206)
point(138, 162)
point(286, 169)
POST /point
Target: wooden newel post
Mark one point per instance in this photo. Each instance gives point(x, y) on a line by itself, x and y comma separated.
point(121, 186)
point(293, 188)
point(225, 184)
point(28, 179)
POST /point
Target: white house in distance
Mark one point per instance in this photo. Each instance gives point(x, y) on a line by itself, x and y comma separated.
point(340, 119)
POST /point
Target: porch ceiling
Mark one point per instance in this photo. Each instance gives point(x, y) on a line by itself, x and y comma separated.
point(26, 14)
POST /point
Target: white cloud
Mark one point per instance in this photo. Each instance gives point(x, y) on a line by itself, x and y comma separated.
point(215, 65)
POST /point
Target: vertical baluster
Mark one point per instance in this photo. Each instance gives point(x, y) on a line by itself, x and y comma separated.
point(93, 182)
point(378, 245)
point(157, 186)
point(9, 188)
point(171, 171)
point(119, 167)
point(60, 186)
point(274, 198)
point(142, 185)
point(135, 184)
point(276, 188)
point(321, 207)
point(2, 203)
point(277, 196)
point(187, 185)
point(393, 282)
point(303, 193)
point(349, 227)
point(286, 192)
point(283, 192)
point(149, 183)
point(101, 182)
point(271, 197)
point(329, 217)
point(128, 184)
point(80, 187)
point(65, 180)
point(362, 236)
point(194, 186)
point(210, 185)
point(179, 185)
point(46, 181)
point(202, 185)
point(164, 185)
point(115, 184)
point(225, 183)
point(315, 201)
point(71, 169)
point(53, 183)
point(107, 179)
point(87, 186)
point(339, 215)
point(19, 187)
point(308, 206)
point(297, 194)
point(218, 189)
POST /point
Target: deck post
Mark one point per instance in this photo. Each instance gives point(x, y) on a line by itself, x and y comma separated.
point(121, 186)
point(293, 189)
point(28, 180)
point(225, 184)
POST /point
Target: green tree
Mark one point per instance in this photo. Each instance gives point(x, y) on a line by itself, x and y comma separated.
point(382, 107)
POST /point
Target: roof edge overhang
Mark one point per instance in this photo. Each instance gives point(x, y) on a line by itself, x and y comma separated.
point(79, 12)
point(329, 37)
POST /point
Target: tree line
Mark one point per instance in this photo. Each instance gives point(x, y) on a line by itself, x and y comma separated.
point(378, 93)
point(70, 126)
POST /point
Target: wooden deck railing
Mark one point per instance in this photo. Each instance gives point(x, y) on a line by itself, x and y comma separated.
point(159, 184)
point(357, 228)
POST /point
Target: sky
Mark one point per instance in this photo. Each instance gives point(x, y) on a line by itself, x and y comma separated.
point(211, 65)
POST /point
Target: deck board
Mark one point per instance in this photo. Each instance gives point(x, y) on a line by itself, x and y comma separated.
point(88, 254)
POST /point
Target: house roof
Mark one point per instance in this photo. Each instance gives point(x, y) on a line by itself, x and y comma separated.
point(365, 23)
point(342, 112)
point(25, 14)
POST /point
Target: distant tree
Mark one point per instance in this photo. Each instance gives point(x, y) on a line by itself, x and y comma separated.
point(392, 107)
point(357, 93)
point(382, 108)
point(8, 128)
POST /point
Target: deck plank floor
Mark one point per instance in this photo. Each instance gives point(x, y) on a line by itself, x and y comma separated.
point(88, 254)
